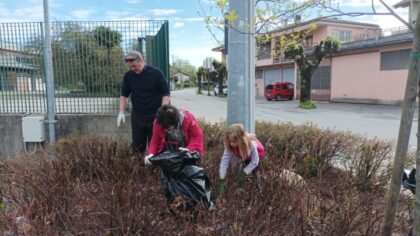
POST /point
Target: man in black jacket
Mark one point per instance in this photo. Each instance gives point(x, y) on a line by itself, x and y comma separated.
point(149, 90)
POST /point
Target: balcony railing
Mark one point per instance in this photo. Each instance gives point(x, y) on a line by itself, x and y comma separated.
point(280, 59)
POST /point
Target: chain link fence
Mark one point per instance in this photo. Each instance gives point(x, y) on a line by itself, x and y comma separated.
point(88, 63)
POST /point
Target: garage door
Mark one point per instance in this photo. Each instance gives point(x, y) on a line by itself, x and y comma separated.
point(289, 75)
point(271, 76)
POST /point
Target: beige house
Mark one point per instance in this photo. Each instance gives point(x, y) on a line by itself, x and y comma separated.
point(273, 68)
point(371, 66)
point(372, 71)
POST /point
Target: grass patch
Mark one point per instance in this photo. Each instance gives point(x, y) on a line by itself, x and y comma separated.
point(307, 105)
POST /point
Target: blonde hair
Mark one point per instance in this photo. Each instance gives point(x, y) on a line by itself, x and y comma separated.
point(236, 133)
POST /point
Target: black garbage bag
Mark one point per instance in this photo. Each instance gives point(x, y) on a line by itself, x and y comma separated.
point(181, 176)
point(409, 180)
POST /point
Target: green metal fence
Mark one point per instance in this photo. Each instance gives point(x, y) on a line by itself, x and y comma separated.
point(88, 63)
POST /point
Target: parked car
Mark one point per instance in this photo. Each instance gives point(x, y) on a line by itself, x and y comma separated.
point(216, 90)
point(279, 90)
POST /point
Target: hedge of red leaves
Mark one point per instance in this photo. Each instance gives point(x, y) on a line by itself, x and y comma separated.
point(98, 186)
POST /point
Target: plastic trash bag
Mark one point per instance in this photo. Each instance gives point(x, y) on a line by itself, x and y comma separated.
point(180, 176)
point(409, 180)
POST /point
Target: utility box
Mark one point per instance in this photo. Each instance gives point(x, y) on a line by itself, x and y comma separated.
point(33, 129)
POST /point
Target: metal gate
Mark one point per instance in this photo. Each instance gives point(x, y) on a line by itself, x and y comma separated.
point(88, 63)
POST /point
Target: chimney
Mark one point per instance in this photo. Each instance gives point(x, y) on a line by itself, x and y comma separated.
point(298, 19)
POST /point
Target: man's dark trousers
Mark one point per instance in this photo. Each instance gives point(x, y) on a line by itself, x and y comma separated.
point(141, 129)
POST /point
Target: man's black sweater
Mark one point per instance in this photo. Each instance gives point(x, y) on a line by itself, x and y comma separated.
point(146, 89)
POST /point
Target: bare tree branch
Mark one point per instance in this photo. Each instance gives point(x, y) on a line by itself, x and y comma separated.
point(373, 7)
point(396, 15)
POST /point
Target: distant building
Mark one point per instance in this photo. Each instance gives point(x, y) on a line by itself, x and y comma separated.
point(208, 63)
point(371, 66)
point(222, 50)
point(273, 67)
point(17, 68)
point(181, 79)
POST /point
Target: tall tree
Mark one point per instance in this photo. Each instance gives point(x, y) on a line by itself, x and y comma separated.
point(200, 76)
point(220, 69)
point(88, 59)
point(308, 63)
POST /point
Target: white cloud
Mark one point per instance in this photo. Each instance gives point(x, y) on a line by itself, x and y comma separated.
point(179, 24)
point(25, 14)
point(82, 13)
point(133, 1)
point(355, 3)
point(194, 19)
point(367, 3)
point(118, 15)
point(207, 1)
point(162, 12)
point(385, 22)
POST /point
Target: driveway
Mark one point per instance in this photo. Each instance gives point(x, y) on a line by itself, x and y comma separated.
point(380, 121)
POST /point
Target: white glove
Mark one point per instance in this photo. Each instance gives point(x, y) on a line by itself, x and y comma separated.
point(121, 117)
point(147, 159)
point(181, 149)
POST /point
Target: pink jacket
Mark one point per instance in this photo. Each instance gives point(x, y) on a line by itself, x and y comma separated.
point(260, 151)
point(192, 132)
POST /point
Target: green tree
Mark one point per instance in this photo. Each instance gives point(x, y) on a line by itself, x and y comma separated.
point(200, 75)
point(308, 63)
point(184, 66)
point(90, 60)
point(220, 69)
point(106, 37)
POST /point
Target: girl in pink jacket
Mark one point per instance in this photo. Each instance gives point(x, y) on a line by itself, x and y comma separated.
point(244, 146)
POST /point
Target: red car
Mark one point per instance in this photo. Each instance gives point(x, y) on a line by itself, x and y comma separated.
point(279, 90)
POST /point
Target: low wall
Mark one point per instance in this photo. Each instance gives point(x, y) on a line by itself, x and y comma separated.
point(11, 140)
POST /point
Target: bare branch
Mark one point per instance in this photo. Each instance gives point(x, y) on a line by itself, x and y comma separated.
point(373, 7)
point(396, 15)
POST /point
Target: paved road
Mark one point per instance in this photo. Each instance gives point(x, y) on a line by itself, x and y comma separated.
point(371, 120)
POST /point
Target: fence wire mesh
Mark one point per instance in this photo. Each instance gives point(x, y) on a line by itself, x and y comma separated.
point(88, 63)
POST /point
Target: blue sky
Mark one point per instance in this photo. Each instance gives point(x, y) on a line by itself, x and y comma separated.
point(189, 38)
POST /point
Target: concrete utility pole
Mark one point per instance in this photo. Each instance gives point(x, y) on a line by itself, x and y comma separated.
point(404, 136)
point(416, 228)
point(241, 65)
point(48, 70)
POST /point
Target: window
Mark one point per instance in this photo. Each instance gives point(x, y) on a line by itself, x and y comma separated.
point(343, 36)
point(283, 86)
point(264, 50)
point(309, 41)
point(395, 60)
point(258, 74)
point(25, 60)
point(291, 87)
point(272, 76)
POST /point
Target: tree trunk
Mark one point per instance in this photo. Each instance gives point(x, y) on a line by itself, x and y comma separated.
point(416, 226)
point(403, 136)
point(220, 85)
point(199, 84)
point(305, 86)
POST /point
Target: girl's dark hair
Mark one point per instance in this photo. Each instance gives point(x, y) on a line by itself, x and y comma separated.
point(167, 116)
